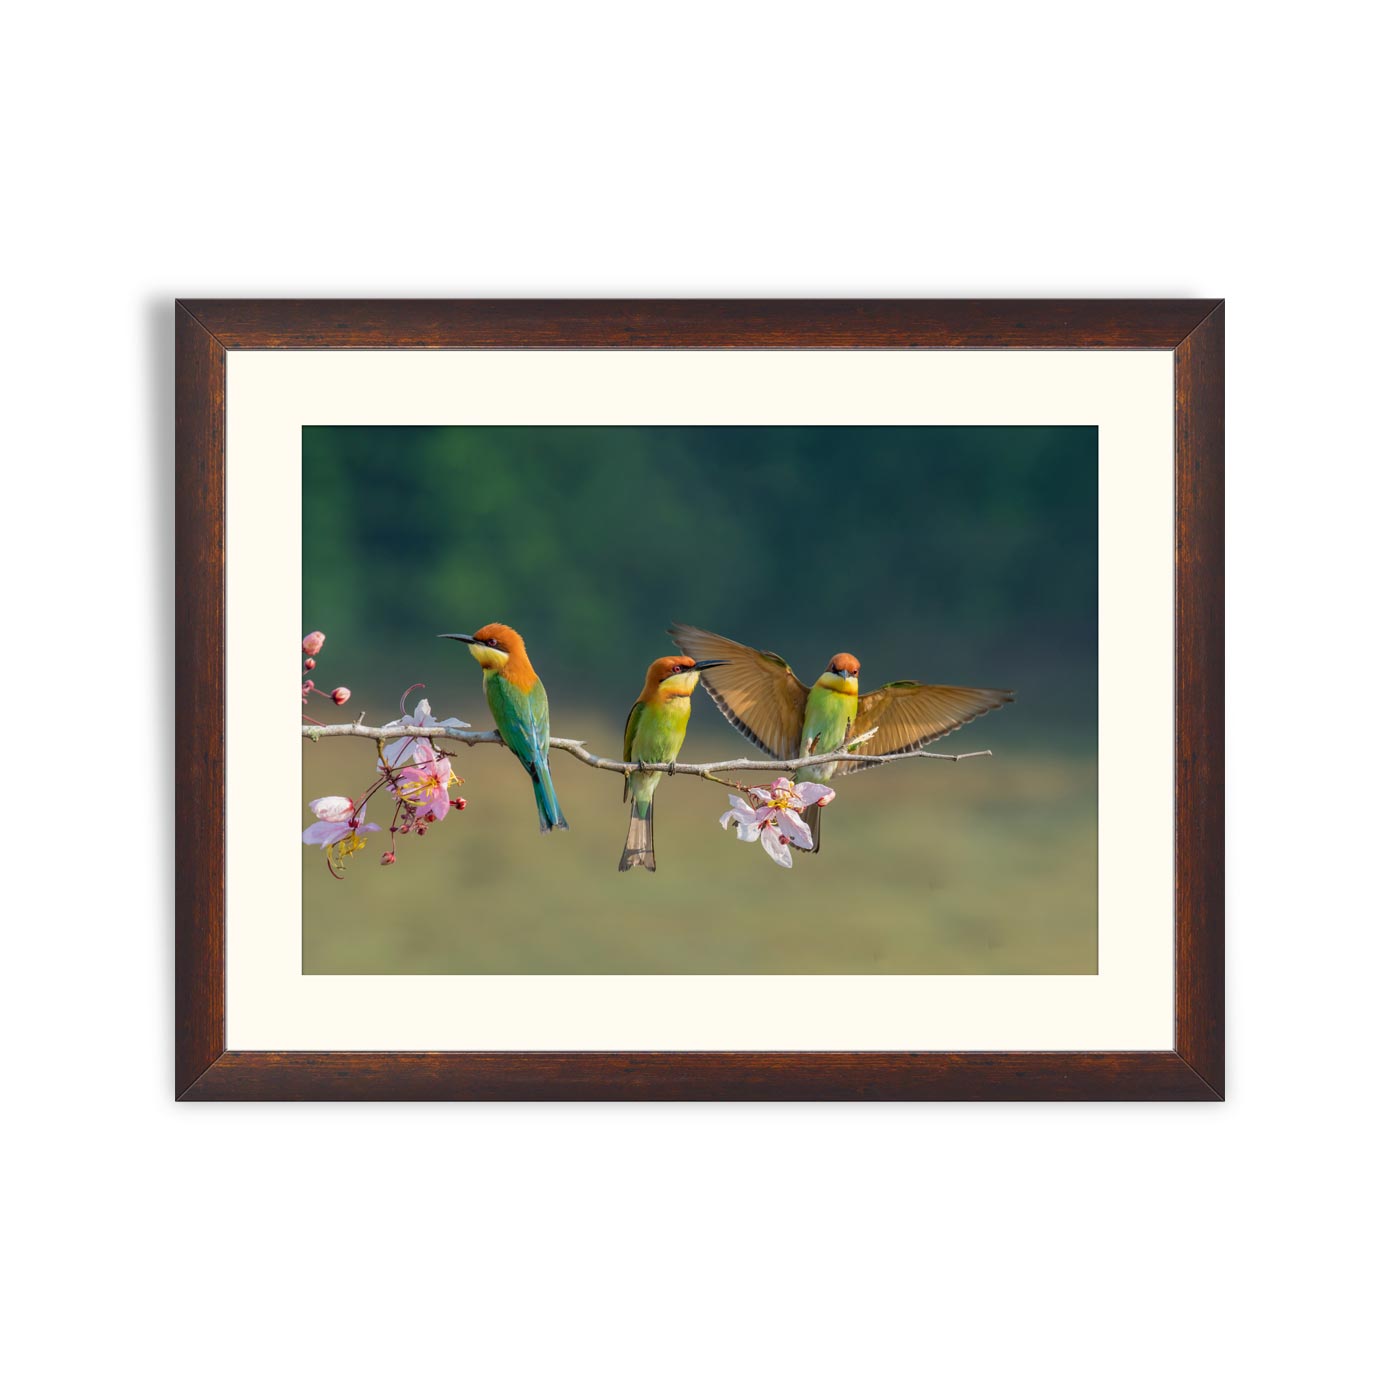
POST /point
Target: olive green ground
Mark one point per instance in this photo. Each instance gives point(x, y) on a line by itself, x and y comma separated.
point(986, 866)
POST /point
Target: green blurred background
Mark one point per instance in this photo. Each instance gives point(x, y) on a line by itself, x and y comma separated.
point(958, 555)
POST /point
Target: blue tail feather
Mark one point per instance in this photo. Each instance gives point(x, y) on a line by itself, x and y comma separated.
point(546, 800)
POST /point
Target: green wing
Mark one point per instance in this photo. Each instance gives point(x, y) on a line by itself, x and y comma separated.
point(628, 739)
point(523, 719)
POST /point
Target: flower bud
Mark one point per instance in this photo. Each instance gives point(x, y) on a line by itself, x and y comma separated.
point(387, 858)
point(340, 695)
point(313, 642)
point(460, 803)
point(310, 665)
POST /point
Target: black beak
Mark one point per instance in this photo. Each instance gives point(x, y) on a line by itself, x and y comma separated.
point(457, 637)
point(705, 665)
point(845, 675)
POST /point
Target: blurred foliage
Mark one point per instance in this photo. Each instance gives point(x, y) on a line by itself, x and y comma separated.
point(963, 555)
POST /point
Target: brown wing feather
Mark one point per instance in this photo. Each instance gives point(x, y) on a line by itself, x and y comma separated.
point(755, 691)
point(910, 715)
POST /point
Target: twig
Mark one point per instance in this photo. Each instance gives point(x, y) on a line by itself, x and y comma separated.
point(575, 748)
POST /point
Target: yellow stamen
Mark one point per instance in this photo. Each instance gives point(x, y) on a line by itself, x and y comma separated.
point(346, 847)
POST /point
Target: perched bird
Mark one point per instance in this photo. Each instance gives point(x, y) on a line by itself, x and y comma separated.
point(655, 732)
point(519, 706)
point(759, 695)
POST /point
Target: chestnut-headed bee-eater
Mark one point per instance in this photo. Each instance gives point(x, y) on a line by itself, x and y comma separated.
point(655, 732)
point(759, 695)
point(518, 704)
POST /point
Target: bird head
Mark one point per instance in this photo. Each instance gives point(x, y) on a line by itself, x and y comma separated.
point(676, 675)
point(842, 673)
point(493, 646)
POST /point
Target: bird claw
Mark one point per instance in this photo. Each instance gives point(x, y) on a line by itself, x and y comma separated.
point(671, 768)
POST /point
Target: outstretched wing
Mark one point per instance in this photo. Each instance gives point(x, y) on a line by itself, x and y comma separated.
point(910, 715)
point(756, 691)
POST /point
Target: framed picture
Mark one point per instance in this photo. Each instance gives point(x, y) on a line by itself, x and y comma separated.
point(700, 700)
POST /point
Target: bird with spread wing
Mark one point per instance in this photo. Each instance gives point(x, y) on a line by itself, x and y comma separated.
point(760, 696)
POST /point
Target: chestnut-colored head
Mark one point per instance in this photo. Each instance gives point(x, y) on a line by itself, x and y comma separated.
point(670, 676)
point(495, 647)
point(842, 673)
point(499, 637)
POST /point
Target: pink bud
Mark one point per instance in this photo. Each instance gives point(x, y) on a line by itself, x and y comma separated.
point(313, 642)
point(387, 858)
point(460, 803)
point(340, 695)
point(310, 664)
point(333, 809)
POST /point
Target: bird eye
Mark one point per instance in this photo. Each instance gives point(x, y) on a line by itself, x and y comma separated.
point(677, 668)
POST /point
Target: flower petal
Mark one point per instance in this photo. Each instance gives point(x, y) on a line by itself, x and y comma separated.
point(332, 809)
point(808, 793)
point(795, 829)
point(397, 752)
point(323, 833)
point(745, 820)
point(776, 848)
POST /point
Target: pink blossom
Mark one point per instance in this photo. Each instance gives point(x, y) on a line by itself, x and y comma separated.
point(340, 694)
point(313, 642)
point(335, 822)
point(423, 787)
point(772, 816)
point(413, 749)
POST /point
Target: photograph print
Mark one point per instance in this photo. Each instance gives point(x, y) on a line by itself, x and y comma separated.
point(699, 700)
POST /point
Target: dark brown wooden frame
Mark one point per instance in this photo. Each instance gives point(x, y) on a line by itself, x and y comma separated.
point(1193, 330)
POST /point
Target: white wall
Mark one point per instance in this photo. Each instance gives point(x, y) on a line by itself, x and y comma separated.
point(164, 150)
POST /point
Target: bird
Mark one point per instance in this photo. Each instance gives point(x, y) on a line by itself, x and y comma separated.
point(655, 732)
point(520, 707)
point(761, 697)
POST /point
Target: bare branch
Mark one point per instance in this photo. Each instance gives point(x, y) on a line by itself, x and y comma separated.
point(576, 749)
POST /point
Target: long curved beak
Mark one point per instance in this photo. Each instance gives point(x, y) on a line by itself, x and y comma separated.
point(705, 665)
point(457, 637)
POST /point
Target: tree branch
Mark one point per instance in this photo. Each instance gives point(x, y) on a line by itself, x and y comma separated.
point(575, 748)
